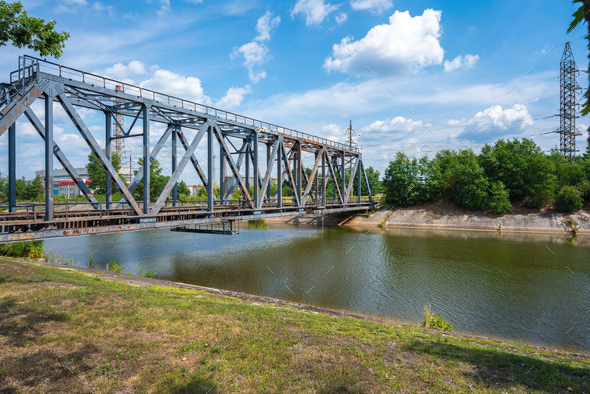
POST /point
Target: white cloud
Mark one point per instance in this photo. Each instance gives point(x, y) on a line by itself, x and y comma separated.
point(399, 124)
point(164, 7)
point(265, 24)
point(315, 10)
point(124, 72)
point(70, 5)
point(341, 18)
point(461, 62)
point(170, 83)
point(233, 98)
point(406, 43)
point(256, 52)
point(100, 7)
point(494, 122)
point(376, 6)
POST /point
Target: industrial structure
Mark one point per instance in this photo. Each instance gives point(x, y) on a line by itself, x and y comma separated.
point(251, 151)
point(568, 107)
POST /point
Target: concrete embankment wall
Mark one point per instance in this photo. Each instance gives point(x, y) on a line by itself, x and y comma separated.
point(427, 219)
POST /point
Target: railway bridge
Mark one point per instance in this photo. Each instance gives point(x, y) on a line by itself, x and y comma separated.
point(249, 150)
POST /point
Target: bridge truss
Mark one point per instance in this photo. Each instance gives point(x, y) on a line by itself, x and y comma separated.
point(238, 139)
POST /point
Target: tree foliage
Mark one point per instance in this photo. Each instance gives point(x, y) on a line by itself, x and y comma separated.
point(98, 175)
point(505, 172)
point(22, 30)
point(157, 181)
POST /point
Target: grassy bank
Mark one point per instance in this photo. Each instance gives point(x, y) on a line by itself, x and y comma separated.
point(67, 331)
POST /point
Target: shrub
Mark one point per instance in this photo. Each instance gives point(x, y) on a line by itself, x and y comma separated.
point(432, 320)
point(30, 249)
point(569, 199)
point(114, 267)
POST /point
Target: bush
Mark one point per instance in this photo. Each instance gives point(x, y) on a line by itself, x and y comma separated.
point(569, 199)
point(30, 249)
point(432, 320)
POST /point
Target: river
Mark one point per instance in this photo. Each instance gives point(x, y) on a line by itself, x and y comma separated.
point(527, 288)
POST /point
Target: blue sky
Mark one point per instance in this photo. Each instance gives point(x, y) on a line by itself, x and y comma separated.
point(413, 76)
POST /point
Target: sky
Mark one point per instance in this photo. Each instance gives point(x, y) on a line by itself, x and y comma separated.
point(412, 76)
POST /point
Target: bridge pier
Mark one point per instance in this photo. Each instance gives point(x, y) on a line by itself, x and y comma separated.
point(108, 154)
point(48, 158)
point(12, 168)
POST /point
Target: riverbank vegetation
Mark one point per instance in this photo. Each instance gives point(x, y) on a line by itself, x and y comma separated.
point(507, 172)
point(68, 331)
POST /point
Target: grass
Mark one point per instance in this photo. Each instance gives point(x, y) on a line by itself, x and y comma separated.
point(67, 331)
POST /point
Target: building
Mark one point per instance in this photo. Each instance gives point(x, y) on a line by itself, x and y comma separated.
point(60, 175)
point(69, 188)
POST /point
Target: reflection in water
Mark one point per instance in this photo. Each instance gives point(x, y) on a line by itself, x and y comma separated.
point(516, 286)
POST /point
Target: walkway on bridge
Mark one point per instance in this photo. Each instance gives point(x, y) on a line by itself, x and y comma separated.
point(237, 139)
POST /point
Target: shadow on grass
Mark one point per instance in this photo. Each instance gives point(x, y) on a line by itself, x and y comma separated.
point(196, 385)
point(40, 365)
point(500, 369)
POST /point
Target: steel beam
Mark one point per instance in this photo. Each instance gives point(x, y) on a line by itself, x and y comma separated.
point(177, 171)
point(232, 165)
point(312, 176)
point(12, 168)
point(48, 158)
point(175, 188)
point(61, 157)
point(95, 148)
point(265, 188)
point(108, 154)
point(279, 172)
point(210, 165)
point(256, 174)
point(146, 159)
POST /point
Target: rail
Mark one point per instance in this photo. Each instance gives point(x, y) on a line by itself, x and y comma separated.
point(29, 65)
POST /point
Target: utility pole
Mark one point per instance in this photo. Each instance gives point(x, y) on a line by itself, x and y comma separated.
point(568, 106)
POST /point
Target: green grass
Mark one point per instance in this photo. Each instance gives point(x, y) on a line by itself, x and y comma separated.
point(66, 331)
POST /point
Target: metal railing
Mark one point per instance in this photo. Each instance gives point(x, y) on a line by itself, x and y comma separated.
point(29, 65)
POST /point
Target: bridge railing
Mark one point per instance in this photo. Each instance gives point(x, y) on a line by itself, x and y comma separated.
point(30, 64)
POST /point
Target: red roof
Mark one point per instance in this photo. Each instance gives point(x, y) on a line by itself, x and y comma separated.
point(71, 182)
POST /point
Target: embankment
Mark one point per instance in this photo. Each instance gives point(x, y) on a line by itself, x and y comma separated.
point(69, 331)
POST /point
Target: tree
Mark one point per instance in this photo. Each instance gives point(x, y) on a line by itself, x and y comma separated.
point(97, 174)
point(374, 182)
point(157, 180)
point(34, 189)
point(569, 199)
point(402, 187)
point(183, 189)
point(22, 30)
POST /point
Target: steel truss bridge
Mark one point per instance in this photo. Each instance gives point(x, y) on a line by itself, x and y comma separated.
point(238, 139)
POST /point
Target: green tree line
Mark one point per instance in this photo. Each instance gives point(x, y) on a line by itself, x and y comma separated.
point(506, 172)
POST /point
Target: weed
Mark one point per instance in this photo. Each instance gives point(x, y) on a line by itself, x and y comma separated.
point(114, 267)
point(109, 371)
point(432, 320)
point(30, 249)
point(574, 228)
point(149, 274)
point(382, 224)
point(91, 257)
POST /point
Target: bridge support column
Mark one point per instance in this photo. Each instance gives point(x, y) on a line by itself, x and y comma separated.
point(108, 154)
point(268, 159)
point(12, 168)
point(48, 158)
point(255, 165)
point(343, 178)
point(360, 177)
point(247, 166)
point(146, 159)
point(279, 175)
point(221, 172)
point(298, 174)
point(175, 188)
point(210, 164)
point(324, 180)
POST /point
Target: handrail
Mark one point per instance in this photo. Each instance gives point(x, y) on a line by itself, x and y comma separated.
point(36, 65)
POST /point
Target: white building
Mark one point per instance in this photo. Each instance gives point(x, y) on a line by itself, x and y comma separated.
point(69, 188)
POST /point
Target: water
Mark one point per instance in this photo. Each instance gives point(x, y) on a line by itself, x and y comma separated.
point(528, 288)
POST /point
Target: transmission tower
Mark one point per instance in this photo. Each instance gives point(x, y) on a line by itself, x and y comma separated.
point(119, 142)
point(568, 106)
point(350, 141)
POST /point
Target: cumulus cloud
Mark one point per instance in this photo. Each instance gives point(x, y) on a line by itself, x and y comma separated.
point(494, 122)
point(406, 43)
point(315, 10)
point(461, 62)
point(164, 7)
point(375, 6)
point(256, 53)
point(124, 72)
point(170, 83)
point(233, 98)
